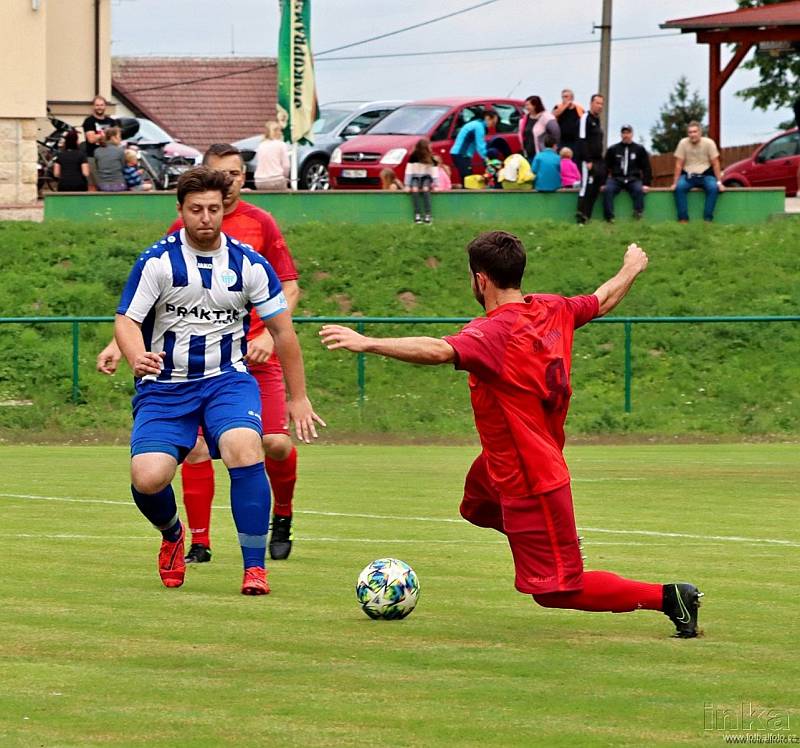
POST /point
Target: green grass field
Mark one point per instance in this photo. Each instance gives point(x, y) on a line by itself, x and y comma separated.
point(735, 380)
point(94, 651)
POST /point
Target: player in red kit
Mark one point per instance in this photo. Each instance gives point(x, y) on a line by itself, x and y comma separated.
point(251, 225)
point(519, 357)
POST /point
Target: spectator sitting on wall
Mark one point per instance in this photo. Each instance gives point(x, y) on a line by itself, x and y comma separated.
point(547, 166)
point(516, 173)
point(471, 138)
point(421, 174)
point(71, 167)
point(535, 125)
point(134, 175)
point(272, 160)
point(570, 176)
point(568, 114)
point(628, 167)
point(696, 165)
point(389, 180)
point(442, 183)
point(110, 161)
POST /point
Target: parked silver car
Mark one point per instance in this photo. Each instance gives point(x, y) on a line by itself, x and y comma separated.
point(337, 122)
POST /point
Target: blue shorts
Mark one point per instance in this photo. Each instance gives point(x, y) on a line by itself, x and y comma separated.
point(166, 416)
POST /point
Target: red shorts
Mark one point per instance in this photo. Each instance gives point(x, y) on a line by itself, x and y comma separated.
point(269, 375)
point(540, 530)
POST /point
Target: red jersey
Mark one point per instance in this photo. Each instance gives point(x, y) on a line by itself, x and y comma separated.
point(251, 225)
point(518, 358)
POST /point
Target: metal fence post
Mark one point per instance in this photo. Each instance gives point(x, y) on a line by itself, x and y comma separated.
point(76, 390)
point(628, 368)
point(361, 364)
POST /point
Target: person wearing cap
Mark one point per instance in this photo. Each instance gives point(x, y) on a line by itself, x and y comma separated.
point(628, 166)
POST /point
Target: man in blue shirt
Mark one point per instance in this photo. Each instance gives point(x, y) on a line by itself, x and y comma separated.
point(182, 323)
point(472, 137)
point(547, 167)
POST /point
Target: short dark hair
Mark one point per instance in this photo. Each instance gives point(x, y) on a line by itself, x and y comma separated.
point(71, 140)
point(202, 179)
point(489, 112)
point(498, 255)
point(596, 96)
point(549, 140)
point(220, 150)
point(536, 103)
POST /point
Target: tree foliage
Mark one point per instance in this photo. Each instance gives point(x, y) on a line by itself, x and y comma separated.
point(779, 75)
point(681, 108)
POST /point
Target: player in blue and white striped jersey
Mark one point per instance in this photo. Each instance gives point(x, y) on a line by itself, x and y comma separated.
point(182, 324)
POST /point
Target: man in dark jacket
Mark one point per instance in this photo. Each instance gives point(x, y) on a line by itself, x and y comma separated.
point(628, 167)
point(590, 158)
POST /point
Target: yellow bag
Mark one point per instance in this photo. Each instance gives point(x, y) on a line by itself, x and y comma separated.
point(474, 182)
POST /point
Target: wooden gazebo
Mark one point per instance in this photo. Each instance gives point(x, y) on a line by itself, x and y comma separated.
point(778, 23)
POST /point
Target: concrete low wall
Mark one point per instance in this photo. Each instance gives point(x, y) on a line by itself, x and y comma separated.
point(740, 206)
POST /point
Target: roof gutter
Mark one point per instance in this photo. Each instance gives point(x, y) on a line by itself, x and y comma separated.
point(96, 47)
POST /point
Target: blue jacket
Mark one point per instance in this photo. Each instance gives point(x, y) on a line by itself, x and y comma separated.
point(471, 138)
point(547, 168)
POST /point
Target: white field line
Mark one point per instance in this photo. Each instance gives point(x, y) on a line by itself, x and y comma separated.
point(393, 517)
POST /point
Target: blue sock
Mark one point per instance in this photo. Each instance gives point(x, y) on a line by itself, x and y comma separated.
point(161, 510)
point(250, 503)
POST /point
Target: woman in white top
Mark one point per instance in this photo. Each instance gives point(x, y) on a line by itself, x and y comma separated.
point(272, 159)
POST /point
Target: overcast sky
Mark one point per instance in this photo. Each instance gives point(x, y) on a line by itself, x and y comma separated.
point(643, 72)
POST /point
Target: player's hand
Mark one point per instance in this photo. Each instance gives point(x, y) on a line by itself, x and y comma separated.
point(721, 187)
point(148, 363)
point(645, 189)
point(635, 258)
point(108, 358)
point(303, 416)
point(673, 187)
point(259, 349)
point(338, 336)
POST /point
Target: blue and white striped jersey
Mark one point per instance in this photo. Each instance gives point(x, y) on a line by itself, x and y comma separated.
point(194, 306)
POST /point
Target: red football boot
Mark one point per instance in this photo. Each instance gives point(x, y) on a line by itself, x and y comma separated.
point(255, 581)
point(171, 564)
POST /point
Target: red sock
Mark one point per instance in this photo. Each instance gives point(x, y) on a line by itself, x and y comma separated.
point(198, 493)
point(604, 591)
point(282, 477)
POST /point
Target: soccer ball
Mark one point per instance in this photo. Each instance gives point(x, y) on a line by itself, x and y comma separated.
point(388, 589)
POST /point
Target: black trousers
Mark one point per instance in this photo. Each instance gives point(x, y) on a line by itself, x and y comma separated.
point(591, 182)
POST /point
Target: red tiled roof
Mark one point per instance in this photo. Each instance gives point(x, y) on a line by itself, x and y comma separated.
point(200, 100)
point(776, 14)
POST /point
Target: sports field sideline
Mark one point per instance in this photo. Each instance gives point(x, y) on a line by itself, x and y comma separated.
point(95, 651)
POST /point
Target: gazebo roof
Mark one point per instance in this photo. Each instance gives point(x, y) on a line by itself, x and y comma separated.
point(777, 14)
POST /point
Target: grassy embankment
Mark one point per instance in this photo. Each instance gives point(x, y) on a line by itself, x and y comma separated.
point(731, 380)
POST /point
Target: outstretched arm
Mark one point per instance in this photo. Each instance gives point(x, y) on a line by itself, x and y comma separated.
point(614, 289)
point(411, 350)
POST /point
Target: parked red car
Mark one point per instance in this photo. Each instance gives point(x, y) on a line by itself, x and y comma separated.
point(773, 164)
point(357, 164)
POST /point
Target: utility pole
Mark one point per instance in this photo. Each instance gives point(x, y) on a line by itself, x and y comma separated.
point(605, 65)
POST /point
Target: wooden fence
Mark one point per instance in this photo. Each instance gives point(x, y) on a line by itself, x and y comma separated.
point(663, 165)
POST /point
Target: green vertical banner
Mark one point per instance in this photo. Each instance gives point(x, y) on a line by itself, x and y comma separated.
point(297, 92)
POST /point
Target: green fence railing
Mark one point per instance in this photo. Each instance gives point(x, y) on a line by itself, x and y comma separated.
point(360, 324)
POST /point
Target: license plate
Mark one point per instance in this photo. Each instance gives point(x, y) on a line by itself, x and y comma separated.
point(354, 173)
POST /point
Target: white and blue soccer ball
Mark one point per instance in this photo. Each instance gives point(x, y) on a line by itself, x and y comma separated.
point(387, 588)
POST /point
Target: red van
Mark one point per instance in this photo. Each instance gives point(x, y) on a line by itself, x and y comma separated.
point(357, 164)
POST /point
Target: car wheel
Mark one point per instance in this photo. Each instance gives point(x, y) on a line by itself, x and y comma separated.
point(315, 175)
point(733, 183)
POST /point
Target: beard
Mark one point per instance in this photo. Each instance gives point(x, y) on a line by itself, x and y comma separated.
point(479, 297)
